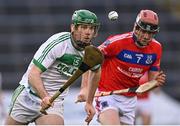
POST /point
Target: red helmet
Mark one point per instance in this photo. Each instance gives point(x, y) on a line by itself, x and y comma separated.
point(148, 21)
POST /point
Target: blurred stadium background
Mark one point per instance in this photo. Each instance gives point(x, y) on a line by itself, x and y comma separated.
point(26, 24)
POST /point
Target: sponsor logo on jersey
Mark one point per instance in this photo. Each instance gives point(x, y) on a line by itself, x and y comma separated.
point(137, 58)
point(68, 64)
point(65, 69)
point(131, 73)
point(135, 69)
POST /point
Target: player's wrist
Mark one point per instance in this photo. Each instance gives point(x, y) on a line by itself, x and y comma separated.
point(44, 96)
point(88, 101)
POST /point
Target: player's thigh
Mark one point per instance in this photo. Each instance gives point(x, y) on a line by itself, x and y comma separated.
point(109, 117)
point(24, 108)
point(10, 121)
point(124, 106)
point(144, 107)
point(50, 119)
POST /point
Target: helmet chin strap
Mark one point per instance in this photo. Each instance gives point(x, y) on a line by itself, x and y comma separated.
point(138, 43)
point(79, 45)
point(82, 44)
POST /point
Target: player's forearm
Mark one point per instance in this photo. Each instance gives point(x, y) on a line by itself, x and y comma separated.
point(94, 78)
point(152, 75)
point(84, 82)
point(36, 82)
point(37, 85)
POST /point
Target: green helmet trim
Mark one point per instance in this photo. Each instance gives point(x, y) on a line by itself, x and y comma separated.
point(85, 17)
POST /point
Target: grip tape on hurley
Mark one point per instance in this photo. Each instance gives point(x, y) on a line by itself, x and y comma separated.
point(84, 67)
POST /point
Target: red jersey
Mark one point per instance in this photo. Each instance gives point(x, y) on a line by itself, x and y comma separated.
point(125, 62)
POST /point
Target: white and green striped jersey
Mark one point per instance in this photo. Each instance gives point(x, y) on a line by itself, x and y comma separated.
point(58, 60)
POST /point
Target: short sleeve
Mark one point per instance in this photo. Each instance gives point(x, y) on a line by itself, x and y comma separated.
point(109, 48)
point(156, 64)
point(47, 53)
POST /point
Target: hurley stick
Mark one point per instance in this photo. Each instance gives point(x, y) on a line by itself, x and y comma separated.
point(92, 57)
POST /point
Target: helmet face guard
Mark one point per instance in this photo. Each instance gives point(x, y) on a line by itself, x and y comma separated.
point(147, 26)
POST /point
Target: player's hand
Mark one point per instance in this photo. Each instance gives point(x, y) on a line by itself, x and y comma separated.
point(82, 96)
point(90, 110)
point(161, 77)
point(45, 103)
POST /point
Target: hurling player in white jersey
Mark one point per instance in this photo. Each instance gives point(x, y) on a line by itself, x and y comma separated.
point(53, 63)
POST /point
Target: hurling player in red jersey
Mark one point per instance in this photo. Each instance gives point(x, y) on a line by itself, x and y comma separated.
point(127, 57)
